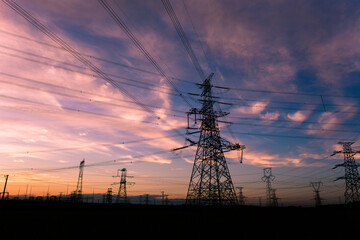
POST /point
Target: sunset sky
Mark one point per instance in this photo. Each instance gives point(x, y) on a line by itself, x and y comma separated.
point(292, 69)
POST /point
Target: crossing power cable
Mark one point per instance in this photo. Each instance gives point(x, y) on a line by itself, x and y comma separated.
point(27, 16)
point(139, 46)
point(173, 78)
point(184, 80)
point(169, 9)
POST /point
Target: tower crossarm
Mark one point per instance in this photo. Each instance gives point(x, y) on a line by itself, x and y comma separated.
point(335, 152)
point(338, 165)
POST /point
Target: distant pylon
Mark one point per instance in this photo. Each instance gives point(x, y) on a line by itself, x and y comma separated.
point(274, 198)
point(108, 196)
point(316, 187)
point(122, 193)
point(78, 191)
point(210, 181)
point(352, 191)
point(271, 198)
point(4, 191)
point(241, 196)
point(164, 198)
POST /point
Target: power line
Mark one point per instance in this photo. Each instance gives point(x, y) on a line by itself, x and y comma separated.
point(139, 45)
point(73, 90)
point(131, 82)
point(145, 83)
point(126, 81)
point(27, 16)
point(289, 136)
point(298, 128)
point(97, 58)
point(292, 121)
point(81, 111)
point(177, 25)
point(256, 134)
point(197, 34)
point(92, 145)
point(183, 80)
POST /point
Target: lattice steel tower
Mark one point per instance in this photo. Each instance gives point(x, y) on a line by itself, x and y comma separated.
point(351, 177)
point(122, 193)
point(316, 187)
point(78, 191)
point(241, 196)
point(210, 181)
point(76, 195)
point(270, 192)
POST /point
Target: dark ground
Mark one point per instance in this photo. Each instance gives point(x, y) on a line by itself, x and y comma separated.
point(65, 220)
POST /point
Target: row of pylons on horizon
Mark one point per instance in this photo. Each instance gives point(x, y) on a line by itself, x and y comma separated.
point(210, 181)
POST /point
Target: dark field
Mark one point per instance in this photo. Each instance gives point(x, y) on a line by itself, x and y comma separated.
point(65, 220)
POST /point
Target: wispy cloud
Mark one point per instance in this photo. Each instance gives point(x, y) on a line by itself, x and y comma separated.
point(298, 116)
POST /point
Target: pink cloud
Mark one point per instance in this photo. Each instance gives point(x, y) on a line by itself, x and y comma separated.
point(298, 116)
point(254, 108)
point(270, 116)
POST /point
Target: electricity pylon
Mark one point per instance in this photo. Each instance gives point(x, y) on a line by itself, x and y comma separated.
point(164, 198)
point(274, 198)
point(270, 192)
point(77, 195)
point(210, 181)
point(4, 191)
point(108, 196)
point(352, 179)
point(122, 193)
point(241, 196)
point(316, 187)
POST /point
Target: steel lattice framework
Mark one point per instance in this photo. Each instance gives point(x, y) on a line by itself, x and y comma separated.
point(352, 179)
point(316, 187)
point(270, 192)
point(77, 194)
point(122, 193)
point(210, 181)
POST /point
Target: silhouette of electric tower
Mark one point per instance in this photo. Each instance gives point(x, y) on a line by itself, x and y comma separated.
point(164, 198)
point(4, 191)
point(122, 193)
point(351, 172)
point(77, 194)
point(108, 196)
point(270, 192)
point(274, 198)
point(210, 181)
point(241, 196)
point(316, 187)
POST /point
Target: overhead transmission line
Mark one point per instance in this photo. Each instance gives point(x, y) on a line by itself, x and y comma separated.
point(22, 12)
point(94, 145)
point(197, 35)
point(298, 128)
point(27, 16)
point(131, 159)
point(169, 91)
point(126, 106)
point(97, 58)
point(149, 86)
point(139, 46)
point(183, 38)
point(290, 136)
point(134, 83)
point(77, 91)
point(292, 121)
point(81, 111)
point(187, 81)
point(125, 81)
